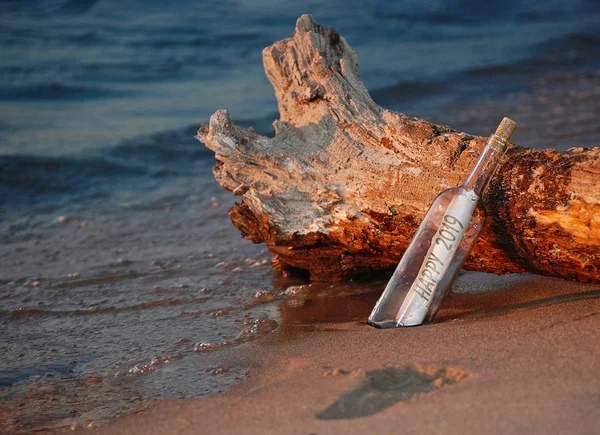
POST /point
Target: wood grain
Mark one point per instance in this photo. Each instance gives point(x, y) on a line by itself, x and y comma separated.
point(343, 185)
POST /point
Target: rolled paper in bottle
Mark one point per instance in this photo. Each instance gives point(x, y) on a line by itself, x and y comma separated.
point(444, 245)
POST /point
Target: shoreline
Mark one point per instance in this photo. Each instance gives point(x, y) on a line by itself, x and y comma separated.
point(506, 354)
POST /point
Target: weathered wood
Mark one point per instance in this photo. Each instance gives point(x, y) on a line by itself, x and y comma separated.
point(342, 186)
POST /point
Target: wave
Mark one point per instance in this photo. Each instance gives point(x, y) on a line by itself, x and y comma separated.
point(169, 149)
point(55, 91)
point(473, 13)
point(136, 164)
point(88, 37)
point(407, 91)
point(25, 176)
point(49, 8)
point(444, 17)
point(570, 50)
point(76, 7)
point(215, 41)
point(32, 313)
point(8, 378)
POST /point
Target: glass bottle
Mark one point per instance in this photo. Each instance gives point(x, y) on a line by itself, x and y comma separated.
point(441, 245)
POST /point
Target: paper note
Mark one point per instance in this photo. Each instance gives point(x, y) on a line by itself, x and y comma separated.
point(444, 245)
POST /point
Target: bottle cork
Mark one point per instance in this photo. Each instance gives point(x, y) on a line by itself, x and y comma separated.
point(499, 140)
point(506, 128)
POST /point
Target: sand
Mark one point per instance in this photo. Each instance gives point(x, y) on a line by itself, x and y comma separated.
point(510, 354)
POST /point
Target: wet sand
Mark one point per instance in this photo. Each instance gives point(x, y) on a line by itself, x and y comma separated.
point(512, 354)
point(120, 272)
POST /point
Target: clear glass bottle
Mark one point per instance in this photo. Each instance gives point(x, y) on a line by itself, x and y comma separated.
point(441, 245)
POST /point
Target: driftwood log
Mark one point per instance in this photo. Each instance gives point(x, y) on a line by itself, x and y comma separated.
point(343, 185)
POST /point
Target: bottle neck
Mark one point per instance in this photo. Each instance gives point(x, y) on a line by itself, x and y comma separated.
point(481, 174)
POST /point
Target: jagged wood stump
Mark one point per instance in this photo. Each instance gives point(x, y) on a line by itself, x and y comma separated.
point(343, 185)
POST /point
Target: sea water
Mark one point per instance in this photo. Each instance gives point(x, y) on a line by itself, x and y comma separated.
point(122, 281)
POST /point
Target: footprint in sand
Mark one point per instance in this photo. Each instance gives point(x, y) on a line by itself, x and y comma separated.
point(383, 388)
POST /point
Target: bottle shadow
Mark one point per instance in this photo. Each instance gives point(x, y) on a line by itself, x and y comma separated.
point(480, 295)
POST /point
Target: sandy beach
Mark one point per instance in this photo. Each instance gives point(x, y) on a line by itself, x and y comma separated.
point(511, 354)
point(129, 303)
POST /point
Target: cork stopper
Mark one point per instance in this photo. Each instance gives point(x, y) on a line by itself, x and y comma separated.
point(506, 128)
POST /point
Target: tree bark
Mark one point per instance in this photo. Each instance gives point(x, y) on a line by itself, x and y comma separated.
point(343, 185)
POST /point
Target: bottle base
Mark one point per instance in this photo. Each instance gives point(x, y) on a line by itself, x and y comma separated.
point(384, 324)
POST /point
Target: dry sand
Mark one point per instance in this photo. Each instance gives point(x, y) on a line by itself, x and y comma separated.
point(510, 354)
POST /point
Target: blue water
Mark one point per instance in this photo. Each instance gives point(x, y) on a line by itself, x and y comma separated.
point(116, 249)
point(112, 90)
